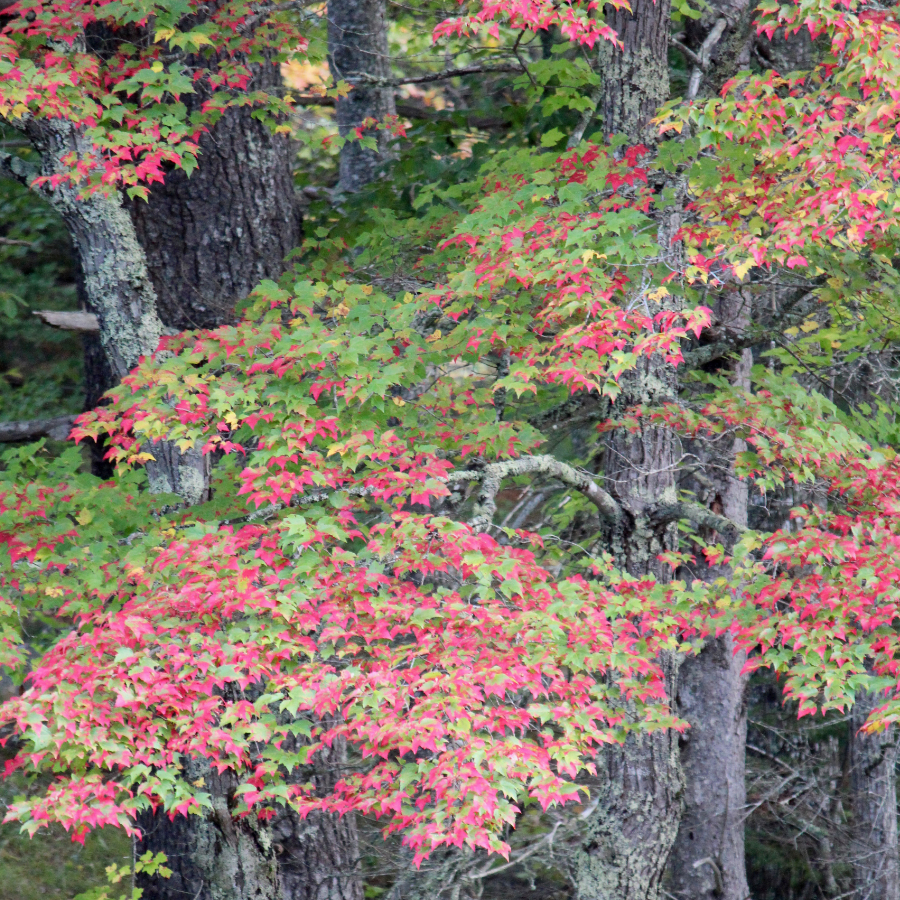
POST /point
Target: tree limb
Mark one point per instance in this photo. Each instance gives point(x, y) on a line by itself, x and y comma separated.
point(18, 169)
point(69, 320)
point(691, 56)
point(705, 53)
point(32, 430)
point(697, 514)
point(491, 477)
point(434, 76)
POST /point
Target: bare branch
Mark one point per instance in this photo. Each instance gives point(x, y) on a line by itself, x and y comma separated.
point(435, 76)
point(691, 56)
point(706, 50)
point(56, 429)
point(69, 320)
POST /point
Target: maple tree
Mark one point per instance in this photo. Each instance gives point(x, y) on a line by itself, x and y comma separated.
point(348, 583)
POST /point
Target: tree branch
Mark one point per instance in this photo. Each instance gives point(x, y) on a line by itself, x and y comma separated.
point(69, 320)
point(56, 429)
point(491, 477)
point(691, 56)
point(697, 514)
point(706, 50)
point(17, 168)
point(434, 76)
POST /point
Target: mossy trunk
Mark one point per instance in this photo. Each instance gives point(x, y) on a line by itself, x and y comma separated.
point(638, 790)
point(112, 266)
point(631, 831)
point(212, 856)
point(635, 76)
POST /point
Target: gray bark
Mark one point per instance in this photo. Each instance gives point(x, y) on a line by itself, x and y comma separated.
point(212, 856)
point(629, 835)
point(357, 52)
point(57, 429)
point(873, 788)
point(117, 288)
point(707, 861)
point(112, 264)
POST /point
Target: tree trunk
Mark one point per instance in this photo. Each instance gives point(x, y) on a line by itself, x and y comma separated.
point(212, 856)
point(229, 860)
point(636, 77)
point(112, 267)
point(319, 856)
point(630, 834)
point(357, 46)
point(638, 790)
point(873, 827)
point(707, 861)
point(209, 239)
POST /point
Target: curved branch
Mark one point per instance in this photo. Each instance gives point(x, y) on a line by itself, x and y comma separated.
point(491, 477)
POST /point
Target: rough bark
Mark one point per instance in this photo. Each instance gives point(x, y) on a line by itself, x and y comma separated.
point(212, 856)
point(112, 266)
point(707, 861)
point(319, 856)
point(635, 77)
point(211, 237)
point(873, 789)
point(630, 834)
point(115, 285)
point(357, 53)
